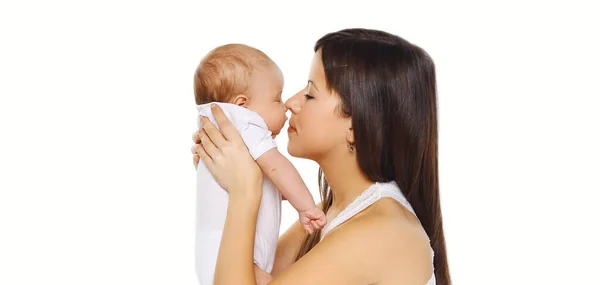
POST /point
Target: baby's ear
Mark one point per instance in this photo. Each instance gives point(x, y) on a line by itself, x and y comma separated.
point(240, 100)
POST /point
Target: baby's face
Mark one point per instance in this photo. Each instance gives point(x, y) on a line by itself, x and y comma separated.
point(264, 97)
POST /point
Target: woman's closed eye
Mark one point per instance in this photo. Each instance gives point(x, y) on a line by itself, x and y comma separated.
point(308, 97)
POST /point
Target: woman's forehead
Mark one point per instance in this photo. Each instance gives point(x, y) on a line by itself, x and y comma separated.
point(317, 73)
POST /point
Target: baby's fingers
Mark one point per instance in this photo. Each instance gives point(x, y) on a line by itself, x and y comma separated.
point(322, 221)
point(308, 229)
point(315, 225)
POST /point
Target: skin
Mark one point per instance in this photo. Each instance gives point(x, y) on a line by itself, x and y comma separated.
point(264, 97)
point(384, 244)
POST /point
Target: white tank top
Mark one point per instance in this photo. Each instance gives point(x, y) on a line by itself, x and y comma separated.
point(366, 199)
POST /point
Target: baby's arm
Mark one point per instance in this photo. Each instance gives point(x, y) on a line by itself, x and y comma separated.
point(287, 179)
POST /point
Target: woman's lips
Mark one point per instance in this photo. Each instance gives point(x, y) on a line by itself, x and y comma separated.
point(291, 130)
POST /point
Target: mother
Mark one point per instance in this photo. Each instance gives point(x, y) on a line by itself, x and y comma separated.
point(368, 117)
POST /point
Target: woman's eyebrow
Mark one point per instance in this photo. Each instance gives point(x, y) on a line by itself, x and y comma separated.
point(313, 84)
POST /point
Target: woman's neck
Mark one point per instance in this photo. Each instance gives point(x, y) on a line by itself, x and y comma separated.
point(345, 179)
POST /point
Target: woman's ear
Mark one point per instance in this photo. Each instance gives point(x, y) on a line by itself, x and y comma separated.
point(350, 133)
point(240, 100)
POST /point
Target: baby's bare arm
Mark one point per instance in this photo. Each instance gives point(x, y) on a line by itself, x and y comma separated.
point(287, 179)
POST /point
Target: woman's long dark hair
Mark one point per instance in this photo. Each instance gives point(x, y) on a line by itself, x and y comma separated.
point(387, 86)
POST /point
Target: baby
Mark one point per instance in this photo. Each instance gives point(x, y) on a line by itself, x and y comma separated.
point(248, 85)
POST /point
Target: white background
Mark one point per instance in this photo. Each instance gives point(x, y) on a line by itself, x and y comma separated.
point(97, 111)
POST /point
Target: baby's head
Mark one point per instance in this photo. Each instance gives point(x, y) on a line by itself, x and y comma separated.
point(245, 76)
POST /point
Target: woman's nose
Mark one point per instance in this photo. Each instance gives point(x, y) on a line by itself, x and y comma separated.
point(293, 104)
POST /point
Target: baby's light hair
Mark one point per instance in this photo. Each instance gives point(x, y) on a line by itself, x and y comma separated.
point(226, 71)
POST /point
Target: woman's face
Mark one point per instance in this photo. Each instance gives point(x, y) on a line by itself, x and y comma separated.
point(316, 128)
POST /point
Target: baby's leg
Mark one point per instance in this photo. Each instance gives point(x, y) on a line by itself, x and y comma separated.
point(261, 276)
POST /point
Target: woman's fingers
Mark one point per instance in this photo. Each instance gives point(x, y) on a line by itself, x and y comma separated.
point(207, 145)
point(206, 158)
point(196, 136)
point(196, 159)
point(196, 139)
point(195, 156)
point(227, 128)
point(212, 132)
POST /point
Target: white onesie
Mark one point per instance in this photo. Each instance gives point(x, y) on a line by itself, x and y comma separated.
point(212, 199)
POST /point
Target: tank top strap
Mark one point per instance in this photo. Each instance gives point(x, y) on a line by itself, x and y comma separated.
point(391, 190)
point(364, 200)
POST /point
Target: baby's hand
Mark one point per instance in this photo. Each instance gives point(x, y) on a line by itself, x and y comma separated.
point(313, 219)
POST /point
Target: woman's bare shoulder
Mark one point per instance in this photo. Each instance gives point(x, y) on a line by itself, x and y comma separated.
point(379, 245)
point(389, 239)
point(386, 218)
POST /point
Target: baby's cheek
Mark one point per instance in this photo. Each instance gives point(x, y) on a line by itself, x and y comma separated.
point(275, 124)
point(284, 118)
point(282, 122)
point(276, 121)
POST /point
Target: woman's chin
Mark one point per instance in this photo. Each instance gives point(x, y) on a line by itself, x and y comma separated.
point(292, 150)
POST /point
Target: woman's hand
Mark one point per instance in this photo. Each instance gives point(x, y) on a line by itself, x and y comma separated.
point(196, 157)
point(227, 157)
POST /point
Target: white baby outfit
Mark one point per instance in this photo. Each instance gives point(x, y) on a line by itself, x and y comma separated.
point(212, 199)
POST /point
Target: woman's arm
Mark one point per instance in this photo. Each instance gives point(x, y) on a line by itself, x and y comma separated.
point(287, 248)
point(237, 244)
